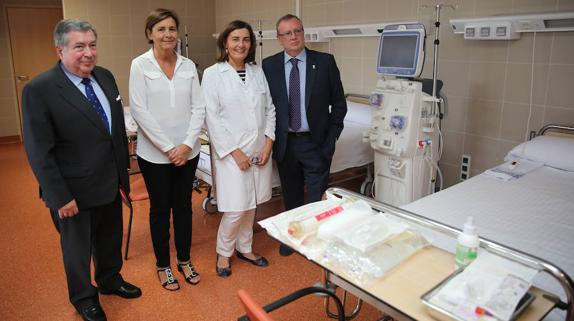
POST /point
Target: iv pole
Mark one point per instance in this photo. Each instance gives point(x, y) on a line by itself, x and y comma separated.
point(186, 42)
point(436, 100)
point(182, 46)
point(436, 43)
point(260, 36)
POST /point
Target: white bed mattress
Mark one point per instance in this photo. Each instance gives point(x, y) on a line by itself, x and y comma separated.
point(534, 214)
point(350, 150)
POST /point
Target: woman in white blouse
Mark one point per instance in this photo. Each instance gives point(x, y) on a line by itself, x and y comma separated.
point(241, 123)
point(167, 103)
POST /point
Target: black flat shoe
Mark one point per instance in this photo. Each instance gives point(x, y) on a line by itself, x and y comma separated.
point(125, 290)
point(261, 261)
point(222, 272)
point(92, 313)
point(284, 250)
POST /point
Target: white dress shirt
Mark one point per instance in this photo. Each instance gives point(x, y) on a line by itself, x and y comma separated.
point(168, 112)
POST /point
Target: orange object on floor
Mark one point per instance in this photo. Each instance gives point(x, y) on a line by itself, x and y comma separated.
point(254, 311)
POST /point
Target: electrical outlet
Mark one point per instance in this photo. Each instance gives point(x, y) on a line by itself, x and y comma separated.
point(465, 168)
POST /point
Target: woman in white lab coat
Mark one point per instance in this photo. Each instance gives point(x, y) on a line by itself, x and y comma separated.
point(167, 103)
point(241, 121)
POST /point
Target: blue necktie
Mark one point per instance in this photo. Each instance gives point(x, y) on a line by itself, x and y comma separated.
point(91, 95)
point(294, 97)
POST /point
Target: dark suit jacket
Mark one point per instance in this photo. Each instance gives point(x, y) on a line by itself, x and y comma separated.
point(70, 152)
point(323, 88)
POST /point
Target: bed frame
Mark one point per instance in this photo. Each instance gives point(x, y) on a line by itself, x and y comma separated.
point(554, 130)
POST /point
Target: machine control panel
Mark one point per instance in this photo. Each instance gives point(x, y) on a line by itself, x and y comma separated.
point(398, 122)
point(395, 124)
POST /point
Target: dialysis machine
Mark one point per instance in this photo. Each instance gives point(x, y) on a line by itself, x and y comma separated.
point(404, 132)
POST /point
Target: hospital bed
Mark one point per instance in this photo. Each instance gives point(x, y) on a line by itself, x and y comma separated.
point(350, 152)
point(533, 214)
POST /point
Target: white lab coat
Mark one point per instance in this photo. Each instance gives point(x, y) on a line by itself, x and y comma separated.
point(238, 115)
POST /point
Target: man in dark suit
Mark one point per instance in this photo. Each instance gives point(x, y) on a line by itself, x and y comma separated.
point(310, 107)
point(76, 144)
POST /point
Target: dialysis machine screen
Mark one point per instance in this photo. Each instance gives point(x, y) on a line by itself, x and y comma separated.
point(401, 52)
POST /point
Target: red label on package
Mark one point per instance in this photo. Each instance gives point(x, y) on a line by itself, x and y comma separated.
point(328, 213)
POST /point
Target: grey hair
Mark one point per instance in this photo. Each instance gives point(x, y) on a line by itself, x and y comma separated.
point(285, 18)
point(66, 25)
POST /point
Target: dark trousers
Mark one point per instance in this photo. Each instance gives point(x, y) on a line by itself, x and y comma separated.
point(95, 232)
point(169, 188)
point(303, 166)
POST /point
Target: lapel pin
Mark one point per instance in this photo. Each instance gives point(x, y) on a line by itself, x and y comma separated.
point(313, 66)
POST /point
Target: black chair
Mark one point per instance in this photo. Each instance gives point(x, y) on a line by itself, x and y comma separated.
point(255, 312)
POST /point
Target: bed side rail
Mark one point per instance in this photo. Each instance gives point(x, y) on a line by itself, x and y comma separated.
point(358, 98)
point(560, 129)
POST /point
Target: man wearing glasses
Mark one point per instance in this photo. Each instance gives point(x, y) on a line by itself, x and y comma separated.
point(310, 107)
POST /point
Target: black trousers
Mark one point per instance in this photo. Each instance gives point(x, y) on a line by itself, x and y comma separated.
point(95, 232)
point(169, 188)
point(303, 166)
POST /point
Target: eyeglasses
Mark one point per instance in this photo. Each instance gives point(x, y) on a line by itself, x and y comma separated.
point(289, 33)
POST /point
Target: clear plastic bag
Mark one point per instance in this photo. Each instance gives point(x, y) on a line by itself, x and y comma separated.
point(363, 268)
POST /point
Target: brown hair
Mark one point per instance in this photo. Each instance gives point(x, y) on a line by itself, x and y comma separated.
point(156, 16)
point(222, 40)
point(285, 18)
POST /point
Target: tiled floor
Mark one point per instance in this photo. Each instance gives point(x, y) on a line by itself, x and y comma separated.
point(32, 280)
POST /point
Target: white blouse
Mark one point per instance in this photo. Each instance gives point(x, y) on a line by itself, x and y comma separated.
point(168, 112)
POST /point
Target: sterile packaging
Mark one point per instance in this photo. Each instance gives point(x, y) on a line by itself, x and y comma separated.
point(299, 228)
point(353, 214)
point(280, 224)
point(364, 267)
point(491, 282)
point(371, 232)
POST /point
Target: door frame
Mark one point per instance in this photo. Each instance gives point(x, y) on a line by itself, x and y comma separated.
point(4, 12)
